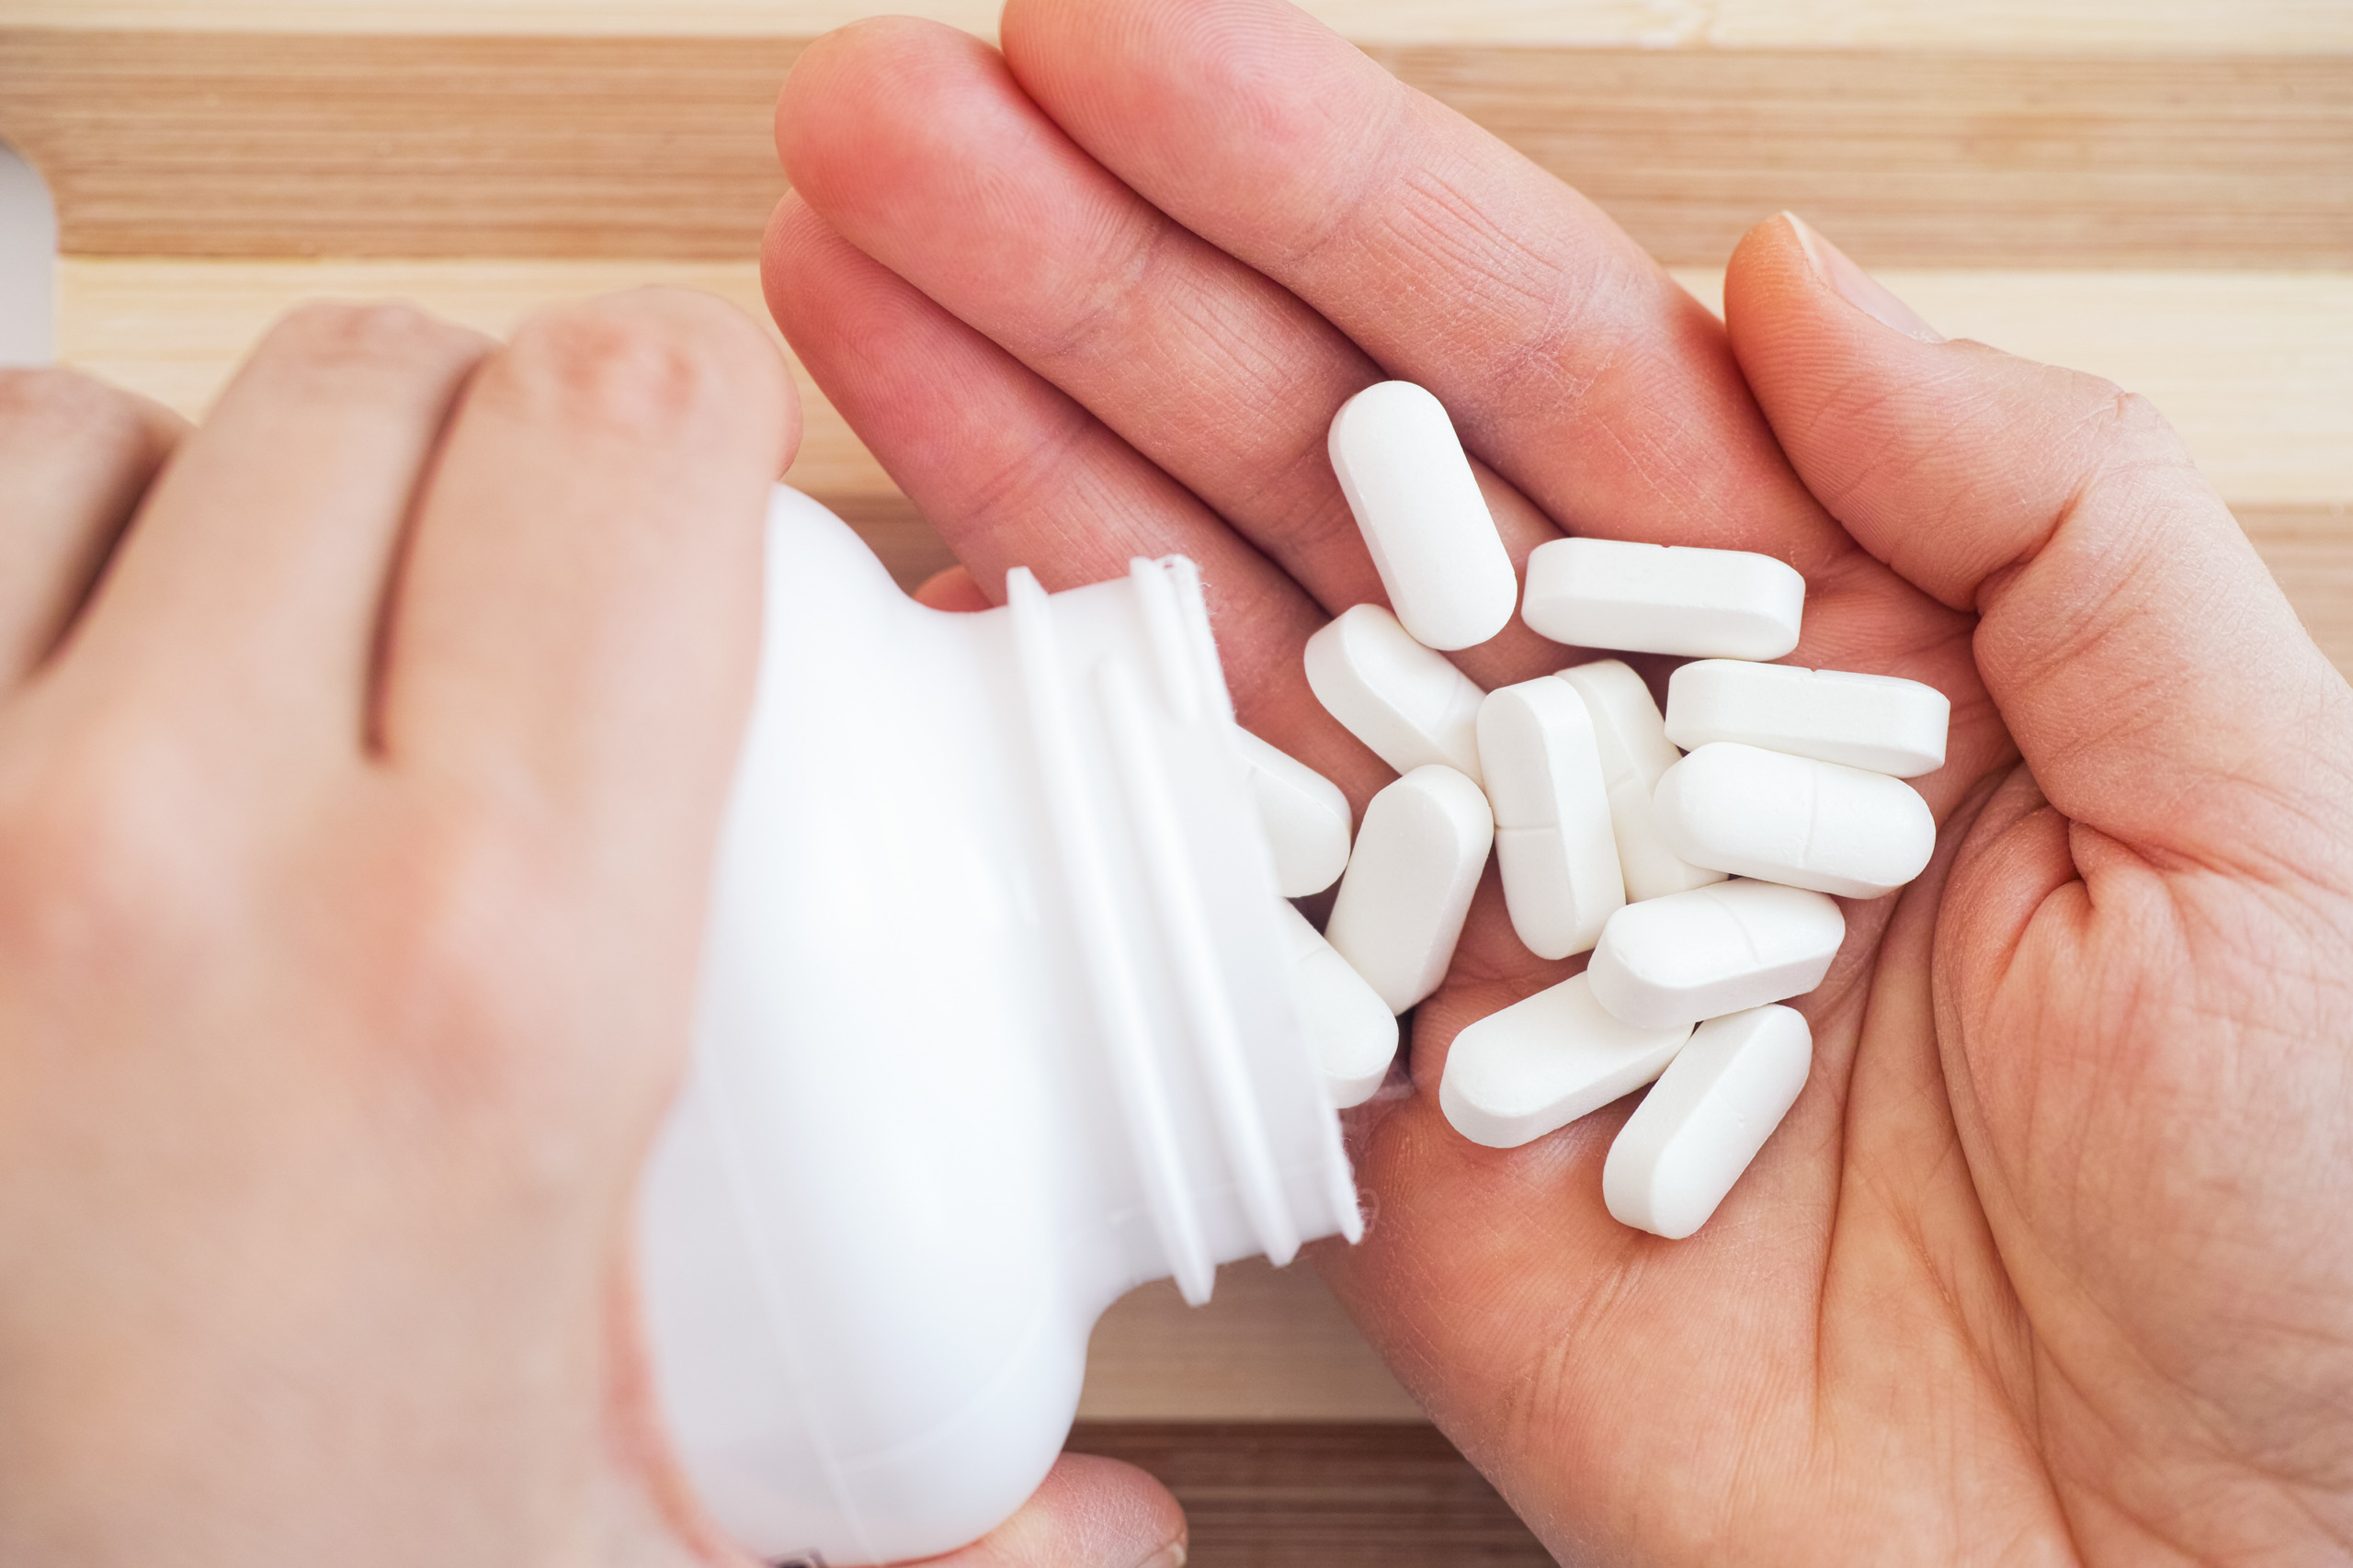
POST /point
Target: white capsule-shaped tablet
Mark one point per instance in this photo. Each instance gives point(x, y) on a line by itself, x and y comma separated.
point(1713, 950)
point(1405, 702)
point(1635, 755)
point(1880, 722)
point(1790, 819)
point(1705, 1118)
point(1545, 1061)
point(1352, 1031)
point(1554, 842)
point(1655, 598)
point(1420, 851)
point(1431, 537)
point(1305, 815)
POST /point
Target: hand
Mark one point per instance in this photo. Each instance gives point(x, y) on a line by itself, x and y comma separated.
point(2049, 1261)
point(361, 756)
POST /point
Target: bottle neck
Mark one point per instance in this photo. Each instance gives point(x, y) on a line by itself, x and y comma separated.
point(1170, 895)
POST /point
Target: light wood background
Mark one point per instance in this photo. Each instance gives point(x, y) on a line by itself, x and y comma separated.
point(2160, 190)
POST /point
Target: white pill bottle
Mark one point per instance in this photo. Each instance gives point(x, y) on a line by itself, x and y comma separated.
point(995, 1025)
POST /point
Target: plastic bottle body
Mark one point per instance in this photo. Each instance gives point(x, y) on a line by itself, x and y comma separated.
point(995, 1025)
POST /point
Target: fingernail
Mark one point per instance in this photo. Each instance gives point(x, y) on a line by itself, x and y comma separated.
point(1859, 288)
point(1169, 1556)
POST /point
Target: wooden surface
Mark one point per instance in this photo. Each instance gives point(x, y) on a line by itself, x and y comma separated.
point(2160, 190)
point(1321, 1495)
point(1271, 1345)
point(280, 145)
point(2049, 27)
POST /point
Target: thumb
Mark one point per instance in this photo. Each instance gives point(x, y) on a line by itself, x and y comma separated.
point(1089, 1512)
point(2151, 671)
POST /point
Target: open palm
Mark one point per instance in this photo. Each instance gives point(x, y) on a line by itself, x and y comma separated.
point(2051, 1259)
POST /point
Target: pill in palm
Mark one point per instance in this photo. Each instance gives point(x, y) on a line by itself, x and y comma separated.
point(1878, 722)
point(1792, 819)
point(1635, 755)
point(1418, 854)
point(1352, 1031)
point(1305, 815)
point(1713, 950)
point(1400, 698)
point(1431, 537)
point(1705, 1119)
point(1545, 1061)
point(1554, 843)
point(1652, 599)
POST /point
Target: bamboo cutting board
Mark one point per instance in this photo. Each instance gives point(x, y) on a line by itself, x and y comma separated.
point(2161, 192)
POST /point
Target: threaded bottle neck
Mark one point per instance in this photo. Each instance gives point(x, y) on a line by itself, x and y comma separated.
point(1171, 902)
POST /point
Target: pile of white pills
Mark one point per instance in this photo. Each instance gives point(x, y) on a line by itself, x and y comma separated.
point(1698, 882)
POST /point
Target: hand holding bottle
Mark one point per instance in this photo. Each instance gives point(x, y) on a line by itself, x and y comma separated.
point(361, 755)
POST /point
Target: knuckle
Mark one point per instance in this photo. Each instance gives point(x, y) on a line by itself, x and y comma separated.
point(473, 898)
point(105, 858)
point(2130, 442)
point(654, 361)
point(363, 336)
point(2133, 419)
point(43, 405)
point(478, 962)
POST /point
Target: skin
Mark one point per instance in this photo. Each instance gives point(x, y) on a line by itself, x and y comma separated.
point(361, 757)
point(2049, 1262)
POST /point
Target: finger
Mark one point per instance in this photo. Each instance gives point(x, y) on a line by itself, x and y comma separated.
point(254, 576)
point(2153, 673)
point(574, 633)
point(1569, 359)
point(1200, 364)
point(1089, 1512)
point(1010, 470)
point(952, 589)
point(75, 456)
point(1013, 472)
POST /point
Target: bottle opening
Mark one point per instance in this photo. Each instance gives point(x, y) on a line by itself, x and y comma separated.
point(1168, 888)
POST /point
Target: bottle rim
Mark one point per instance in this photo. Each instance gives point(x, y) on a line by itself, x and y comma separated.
point(1190, 687)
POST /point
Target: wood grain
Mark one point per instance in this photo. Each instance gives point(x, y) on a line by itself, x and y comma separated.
point(282, 144)
point(277, 144)
point(1935, 161)
point(2080, 26)
point(2310, 551)
point(1298, 1495)
point(1270, 1343)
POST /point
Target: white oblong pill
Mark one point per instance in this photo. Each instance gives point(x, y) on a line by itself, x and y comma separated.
point(1305, 815)
point(1545, 1061)
point(1656, 598)
point(1400, 698)
point(1879, 723)
point(1790, 819)
point(1704, 1120)
point(1554, 841)
point(1635, 755)
point(1432, 540)
point(1420, 851)
point(1352, 1031)
point(1713, 950)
